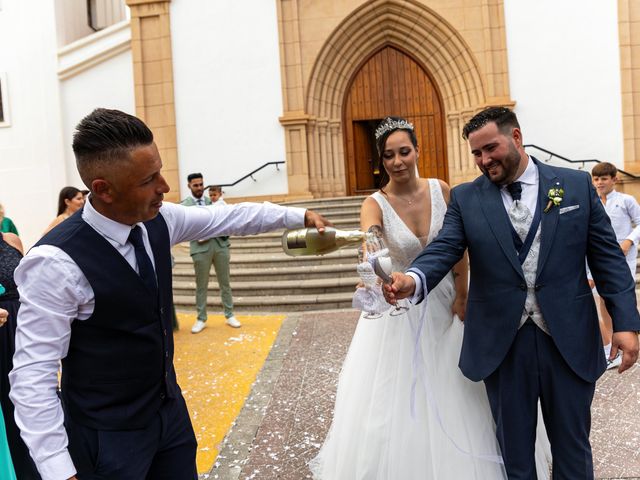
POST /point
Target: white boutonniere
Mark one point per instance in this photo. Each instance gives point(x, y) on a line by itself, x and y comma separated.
point(555, 195)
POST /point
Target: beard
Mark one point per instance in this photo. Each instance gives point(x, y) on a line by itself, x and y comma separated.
point(509, 163)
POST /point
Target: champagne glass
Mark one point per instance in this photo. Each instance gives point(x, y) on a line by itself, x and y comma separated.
point(369, 278)
point(382, 267)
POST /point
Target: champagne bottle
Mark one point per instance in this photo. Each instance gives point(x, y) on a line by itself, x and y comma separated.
point(308, 241)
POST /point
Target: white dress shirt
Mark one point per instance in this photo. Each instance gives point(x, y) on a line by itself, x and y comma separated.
point(529, 196)
point(198, 201)
point(54, 293)
point(624, 213)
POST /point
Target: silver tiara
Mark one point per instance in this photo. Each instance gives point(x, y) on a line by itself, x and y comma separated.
point(392, 124)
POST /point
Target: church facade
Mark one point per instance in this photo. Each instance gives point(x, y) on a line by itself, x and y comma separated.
point(229, 87)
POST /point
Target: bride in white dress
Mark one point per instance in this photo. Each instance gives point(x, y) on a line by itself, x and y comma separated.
point(403, 408)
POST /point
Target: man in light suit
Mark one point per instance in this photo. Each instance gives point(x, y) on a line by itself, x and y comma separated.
point(531, 329)
point(205, 252)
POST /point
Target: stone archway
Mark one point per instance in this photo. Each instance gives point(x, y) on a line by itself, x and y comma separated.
point(391, 82)
point(314, 106)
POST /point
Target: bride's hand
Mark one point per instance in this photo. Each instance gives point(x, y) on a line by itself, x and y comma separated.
point(459, 307)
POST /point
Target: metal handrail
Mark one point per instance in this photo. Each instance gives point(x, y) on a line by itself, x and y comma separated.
point(247, 175)
point(589, 160)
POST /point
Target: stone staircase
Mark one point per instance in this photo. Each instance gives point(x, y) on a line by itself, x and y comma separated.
point(264, 279)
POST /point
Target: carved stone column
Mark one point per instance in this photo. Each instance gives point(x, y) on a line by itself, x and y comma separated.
point(295, 135)
point(339, 179)
point(153, 79)
point(497, 70)
point(312, 147)
point(294, 119)
point(326, 162)
point(629, 35)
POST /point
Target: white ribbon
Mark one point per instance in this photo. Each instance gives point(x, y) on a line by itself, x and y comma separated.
point(418, 370)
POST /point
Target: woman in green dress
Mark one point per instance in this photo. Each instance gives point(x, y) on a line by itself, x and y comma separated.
point(6, 225)
point(6, 465)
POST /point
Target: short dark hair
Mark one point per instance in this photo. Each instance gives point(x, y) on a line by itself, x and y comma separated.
point(503, 117)
point(104, 137)
point(604, 168)
point(193, 176)
point(215, 188)
point(67, 193)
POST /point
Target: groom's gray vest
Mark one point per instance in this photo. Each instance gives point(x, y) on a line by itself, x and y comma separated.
point(521, 219)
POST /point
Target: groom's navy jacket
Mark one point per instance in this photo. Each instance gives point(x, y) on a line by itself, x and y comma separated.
point(476, 219)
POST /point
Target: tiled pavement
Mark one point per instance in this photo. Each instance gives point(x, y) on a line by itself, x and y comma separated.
point(284, 421)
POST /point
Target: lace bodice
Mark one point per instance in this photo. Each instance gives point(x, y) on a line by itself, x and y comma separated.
point(403, 245)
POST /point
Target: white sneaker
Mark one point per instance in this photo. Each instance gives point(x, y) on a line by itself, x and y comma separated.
point(615, 362)
point(198, 326)
point(233, 322)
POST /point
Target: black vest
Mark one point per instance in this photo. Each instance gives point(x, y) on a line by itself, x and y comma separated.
point(119, 368)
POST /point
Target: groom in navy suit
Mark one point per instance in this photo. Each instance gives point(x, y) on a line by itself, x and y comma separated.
point(531, 329)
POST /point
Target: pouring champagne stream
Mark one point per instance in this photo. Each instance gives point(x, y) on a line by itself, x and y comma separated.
point(372, 249)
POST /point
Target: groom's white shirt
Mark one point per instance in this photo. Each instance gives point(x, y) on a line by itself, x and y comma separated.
point(530, 183)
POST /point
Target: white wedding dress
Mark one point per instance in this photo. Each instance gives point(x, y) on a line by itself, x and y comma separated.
point(376, 433)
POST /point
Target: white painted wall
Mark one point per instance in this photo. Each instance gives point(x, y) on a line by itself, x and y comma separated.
point(32, 168)
point(228, 94)
point(564, 73)
point(109, 85)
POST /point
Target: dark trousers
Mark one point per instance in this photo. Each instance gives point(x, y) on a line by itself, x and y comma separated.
point(534, 369)
point(164, 450)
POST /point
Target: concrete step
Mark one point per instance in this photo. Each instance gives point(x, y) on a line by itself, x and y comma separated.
point(285, 272)
point(337, 210)
point(277, 259)
point(326, 202)
point(275, 236)
point(264, 278)
point(270, 288)
point(277, 303)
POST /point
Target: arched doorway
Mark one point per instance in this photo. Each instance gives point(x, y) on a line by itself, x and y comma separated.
point(390, 82)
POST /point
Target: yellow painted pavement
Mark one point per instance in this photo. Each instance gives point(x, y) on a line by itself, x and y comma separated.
point(215, 370)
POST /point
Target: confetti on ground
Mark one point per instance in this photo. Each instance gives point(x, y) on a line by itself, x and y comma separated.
point(216, 369)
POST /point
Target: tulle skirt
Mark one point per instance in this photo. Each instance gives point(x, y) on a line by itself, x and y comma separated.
point(403, 408)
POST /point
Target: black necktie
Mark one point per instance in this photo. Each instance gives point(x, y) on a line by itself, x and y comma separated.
point(515, 190)
point(200, 202)
point(145, 267)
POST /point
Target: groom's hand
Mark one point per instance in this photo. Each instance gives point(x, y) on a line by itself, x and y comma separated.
point(401, 286)
point(628, 343)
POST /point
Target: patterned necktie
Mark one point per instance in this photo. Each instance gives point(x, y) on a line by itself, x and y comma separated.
point(519, 214)
point(145, 267)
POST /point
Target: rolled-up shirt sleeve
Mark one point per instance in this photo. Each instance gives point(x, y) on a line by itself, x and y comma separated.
point(189, 223)
point(51, 290)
